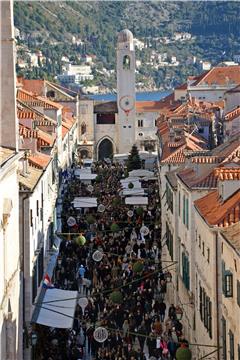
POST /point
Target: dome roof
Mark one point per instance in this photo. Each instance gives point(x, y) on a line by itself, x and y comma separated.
point(125, 36)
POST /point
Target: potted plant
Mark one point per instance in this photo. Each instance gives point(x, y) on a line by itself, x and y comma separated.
point(139, 211)
point(116, 297)
point(138, 267)
point(114, 227)
point(90, 219)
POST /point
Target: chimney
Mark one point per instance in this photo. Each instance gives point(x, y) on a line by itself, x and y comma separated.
point(8, 116)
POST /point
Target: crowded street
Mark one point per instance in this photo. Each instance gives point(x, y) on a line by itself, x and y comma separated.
point(111, 255)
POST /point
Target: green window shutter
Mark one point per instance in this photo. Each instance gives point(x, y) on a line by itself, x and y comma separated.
point(223, 278)
point(179, 203)
point(238, 294)
point(187, 212)
point(184, 209)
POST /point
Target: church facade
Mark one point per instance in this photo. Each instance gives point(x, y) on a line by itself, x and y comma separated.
point(110, 128)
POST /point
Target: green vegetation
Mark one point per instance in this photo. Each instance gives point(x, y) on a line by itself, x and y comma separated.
point(134, 161)
point(50, 26)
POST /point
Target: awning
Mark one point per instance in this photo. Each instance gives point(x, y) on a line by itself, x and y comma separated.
point(57, 308)
point(141, 173)
point(84, 202)
point(135, 181)
point(136, 200)
point(130, 192)
point(85, 174)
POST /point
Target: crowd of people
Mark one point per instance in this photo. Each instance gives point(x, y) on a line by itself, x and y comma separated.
point(125, 289)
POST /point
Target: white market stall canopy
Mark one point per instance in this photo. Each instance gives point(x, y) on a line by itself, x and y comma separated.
point(133, 191)
point(84, 202)
point(136, 200)
point(141, 173)
point(56, 313)
point(135, 181)
point(85, 174)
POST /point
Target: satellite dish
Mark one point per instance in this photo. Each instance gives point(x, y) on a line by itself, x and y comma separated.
point(90, 188)
point(71, 221)
point(100, 334)
point(130, 213)
point(97, 255)
point(101, 208)
point(144, 230)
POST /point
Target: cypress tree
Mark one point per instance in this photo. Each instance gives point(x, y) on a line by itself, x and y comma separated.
point(134, 161)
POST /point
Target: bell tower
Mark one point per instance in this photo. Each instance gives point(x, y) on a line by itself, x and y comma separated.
point(126, 91)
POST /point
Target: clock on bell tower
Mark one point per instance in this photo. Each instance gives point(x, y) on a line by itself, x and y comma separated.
point(126, 91)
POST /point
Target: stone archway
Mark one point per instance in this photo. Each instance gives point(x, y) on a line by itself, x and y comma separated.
point(84, 154)
point(105, 149)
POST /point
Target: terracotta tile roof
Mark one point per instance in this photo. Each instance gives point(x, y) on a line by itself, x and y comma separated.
point(228, 173)
point(148, 106)
point(44, 139)
point(218, 213)
point(191, 179)
point(48, 104)
point(233, 114)
point(29, 98)
point(29, 181)
point(204, 159)
point(228, 150)
point(23, 114)
point(34, 86)
point(220, 75)
point(39, 160)
point(5, 154)
point(232, 234)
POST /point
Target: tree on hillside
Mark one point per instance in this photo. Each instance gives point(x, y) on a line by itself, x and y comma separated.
point(134, 161)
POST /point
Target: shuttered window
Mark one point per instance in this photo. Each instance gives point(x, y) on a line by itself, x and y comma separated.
point(231, 345)
point(224, 336)
point(238, 293)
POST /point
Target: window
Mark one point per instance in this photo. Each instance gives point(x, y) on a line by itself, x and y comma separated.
point(199, 241)
point(205, 309)
point(203, 248)
point(187, 212)
point(140, 123)
point(224, 336)
point(83, 128)
point(31, 218)
point(228, 284)
point(208, 255)
point(50, 93)
point(179, 203)
point(185, 271)
point(169, 241)
point(169, 198)
point(105, 119)
point(126, 62)
point(238, 293)
point(231, 345)
point(156, 122)
point(184, 209)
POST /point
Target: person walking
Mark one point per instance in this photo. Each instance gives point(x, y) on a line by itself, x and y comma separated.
point(162, 310)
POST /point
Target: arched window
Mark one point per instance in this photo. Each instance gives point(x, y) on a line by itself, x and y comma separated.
point(126, 62)
point(83, 128)
point(51, 94)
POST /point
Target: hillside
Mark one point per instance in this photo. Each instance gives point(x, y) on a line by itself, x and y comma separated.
point(50, 26)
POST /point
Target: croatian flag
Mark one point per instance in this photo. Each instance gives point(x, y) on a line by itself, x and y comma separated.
point(47, 284)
